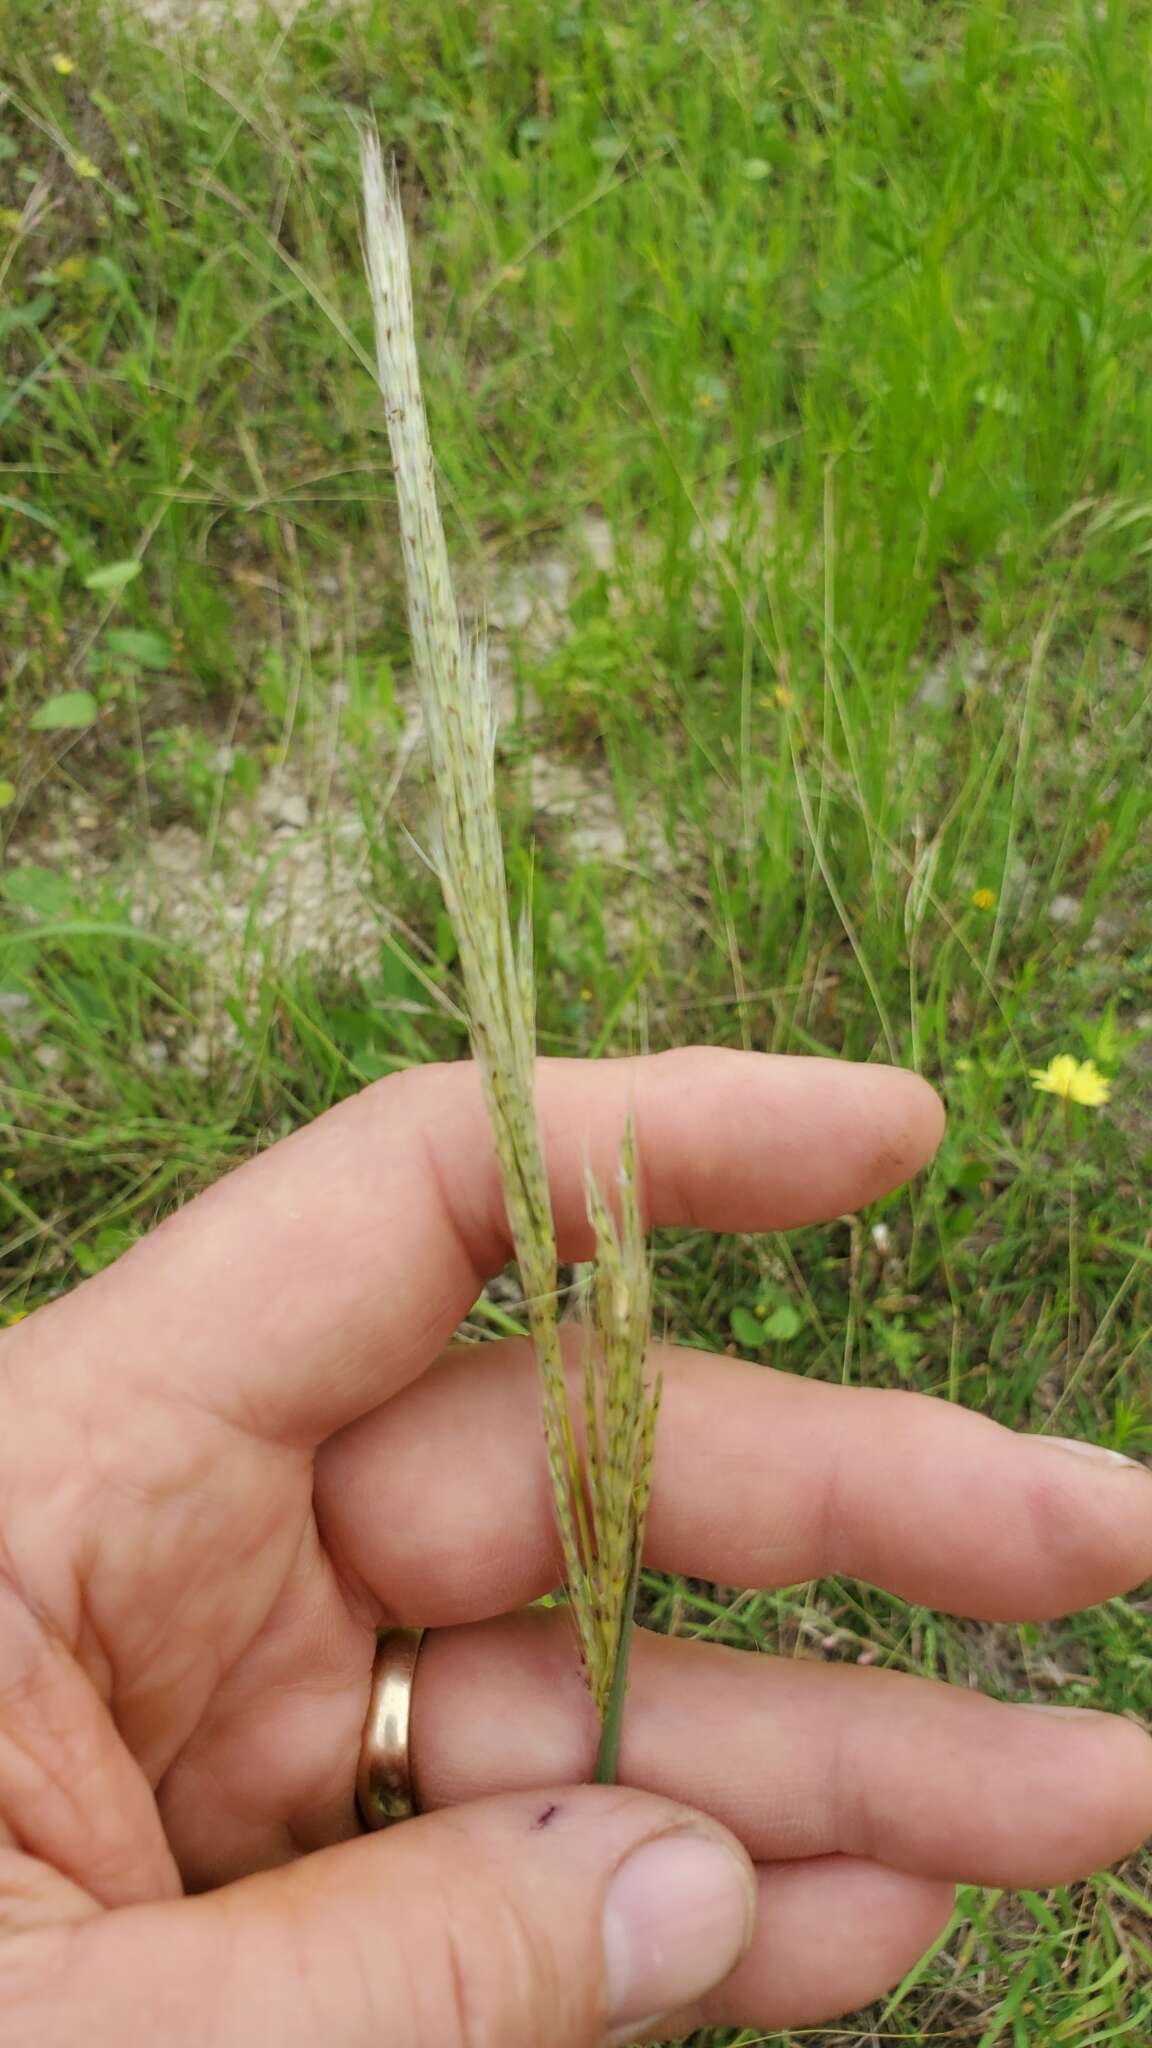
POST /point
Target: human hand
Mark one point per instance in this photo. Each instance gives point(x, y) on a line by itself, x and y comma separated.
point(224, 1461)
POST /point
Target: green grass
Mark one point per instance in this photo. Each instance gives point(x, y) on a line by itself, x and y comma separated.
point(837, 318)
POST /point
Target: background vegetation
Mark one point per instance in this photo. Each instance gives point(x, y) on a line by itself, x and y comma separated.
point(789, 371)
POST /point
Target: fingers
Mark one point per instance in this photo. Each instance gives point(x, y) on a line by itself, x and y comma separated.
point(556, 1920)
point(798, 1759)
point(831, 1935)
point(298, 1293)
point(761, 1479)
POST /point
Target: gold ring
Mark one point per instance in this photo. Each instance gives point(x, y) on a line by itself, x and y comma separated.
point(384, 1788)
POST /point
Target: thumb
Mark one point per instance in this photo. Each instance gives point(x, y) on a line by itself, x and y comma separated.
point(545, 1921)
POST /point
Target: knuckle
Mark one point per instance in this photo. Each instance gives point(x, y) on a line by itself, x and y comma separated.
point(485, 1975)
point(1069, 1551)
point(496, 1987)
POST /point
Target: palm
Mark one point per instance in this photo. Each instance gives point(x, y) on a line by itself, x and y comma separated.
point(254, 1747)
point(222, 1623)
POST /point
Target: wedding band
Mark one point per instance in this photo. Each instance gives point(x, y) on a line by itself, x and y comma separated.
point(384, 1789)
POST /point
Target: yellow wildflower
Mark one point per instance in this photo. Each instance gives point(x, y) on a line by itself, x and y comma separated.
point(84, 167)
point(11, 220)
point(16, 1315)
point(983, 899)
point(64, 65)
point(1072, 1080)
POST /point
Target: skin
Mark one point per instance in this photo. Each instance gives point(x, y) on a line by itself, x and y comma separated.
point(226, 1460)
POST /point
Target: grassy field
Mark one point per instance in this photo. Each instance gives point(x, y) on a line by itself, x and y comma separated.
point(789, 373)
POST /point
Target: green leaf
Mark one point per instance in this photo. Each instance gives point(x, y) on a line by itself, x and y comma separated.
point(783, 1324)
point(40, 890)
point(29, 512)
point(148, 650)
point(69, 712)
point(445, 939)
point(107, 1245)
point(7, 794)
point(245, 772)
point(88, 928)
point(747, 1329)
point(113, 576)
point(423, 108)
point(30, 314)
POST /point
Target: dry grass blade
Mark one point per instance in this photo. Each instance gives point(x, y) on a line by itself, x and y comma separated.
point(600, 1518)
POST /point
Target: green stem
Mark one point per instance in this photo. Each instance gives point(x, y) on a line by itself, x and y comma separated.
point(608, 1754)
point(1073, 1251)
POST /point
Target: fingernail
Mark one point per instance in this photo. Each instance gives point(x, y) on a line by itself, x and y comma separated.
point(677, 1918)
point(1100, 1452)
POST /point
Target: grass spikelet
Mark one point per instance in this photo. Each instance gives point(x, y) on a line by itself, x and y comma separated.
point(600, 1500)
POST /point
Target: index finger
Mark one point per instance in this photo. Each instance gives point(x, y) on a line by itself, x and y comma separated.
point(298, 1293)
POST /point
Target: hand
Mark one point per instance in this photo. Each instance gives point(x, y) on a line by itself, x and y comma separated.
point(225, 1460)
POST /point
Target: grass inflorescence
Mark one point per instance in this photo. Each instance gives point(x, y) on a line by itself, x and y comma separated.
point(601, 1521)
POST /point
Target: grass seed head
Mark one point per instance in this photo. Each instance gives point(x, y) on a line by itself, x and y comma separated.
point(600, 1497)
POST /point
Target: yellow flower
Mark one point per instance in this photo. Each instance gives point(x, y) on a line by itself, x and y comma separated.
point(16, 1315)
point(11, 219)
point(983, 899)
point(1072, 1080)
point(84, 167)
point(64, 65)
